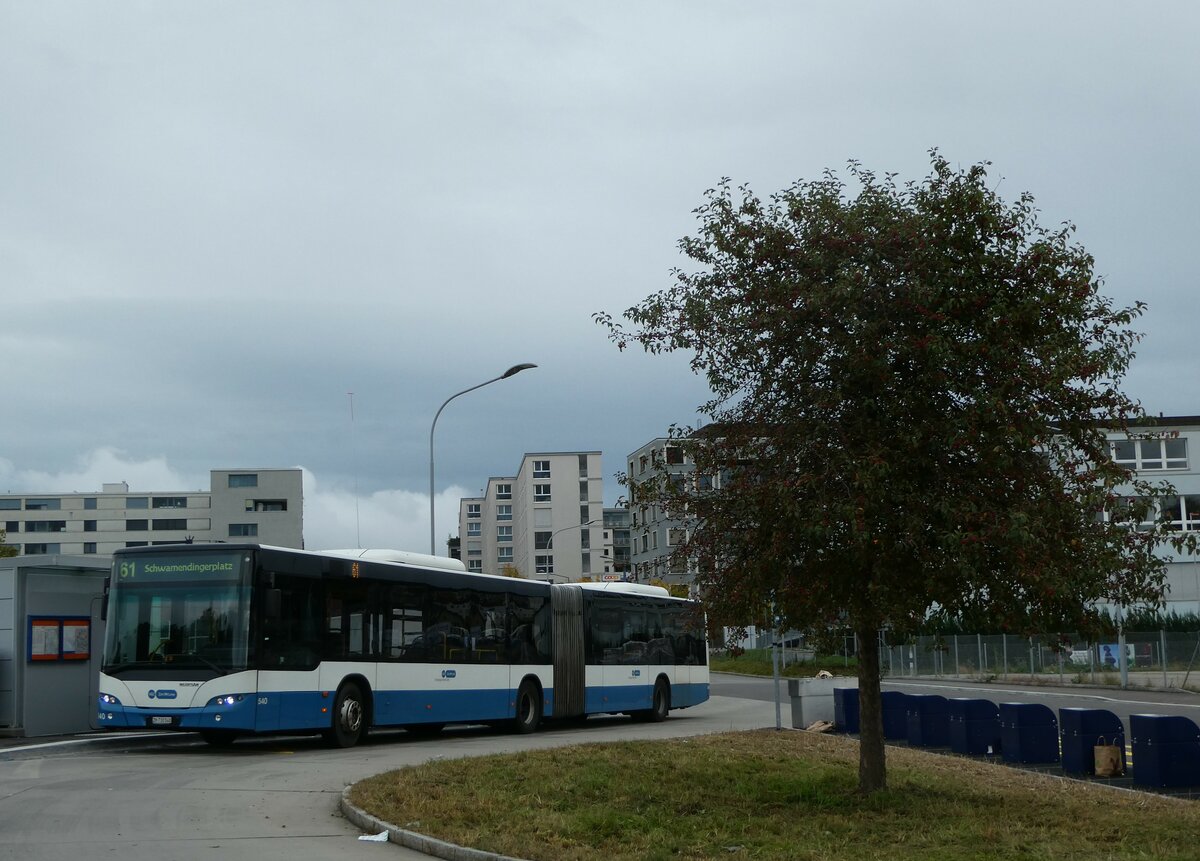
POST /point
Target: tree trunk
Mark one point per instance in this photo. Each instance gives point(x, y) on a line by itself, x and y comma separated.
point(872, 771)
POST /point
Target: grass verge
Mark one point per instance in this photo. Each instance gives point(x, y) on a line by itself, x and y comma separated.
point(771, 795)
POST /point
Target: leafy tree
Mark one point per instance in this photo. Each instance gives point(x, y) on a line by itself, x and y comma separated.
point(6, 549)
point(911, 386)
point(510, 570)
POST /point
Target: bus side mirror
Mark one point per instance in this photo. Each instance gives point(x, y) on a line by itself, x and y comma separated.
point(104, 600)
point(273, 603)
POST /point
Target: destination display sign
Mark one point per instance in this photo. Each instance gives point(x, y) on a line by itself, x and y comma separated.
point(216, 566)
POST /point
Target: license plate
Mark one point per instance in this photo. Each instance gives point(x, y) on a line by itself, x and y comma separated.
point(162, 720)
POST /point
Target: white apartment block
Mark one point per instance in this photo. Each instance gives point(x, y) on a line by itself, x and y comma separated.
point(547, 521)
point(260, 506)
point(1164, 448)
point(653, 534)
point(1169, 448)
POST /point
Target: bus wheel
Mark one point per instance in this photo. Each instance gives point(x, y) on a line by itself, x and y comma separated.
point(349, 717)
point(529, 707)
point(218, 737)
point(659, 706)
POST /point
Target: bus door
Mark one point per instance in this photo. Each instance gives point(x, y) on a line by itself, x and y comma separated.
point(627, 686)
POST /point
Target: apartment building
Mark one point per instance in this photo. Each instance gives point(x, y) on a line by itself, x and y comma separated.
point(263, 506)
point(617, 524)
point(546, 521)
point(653, 532)
point(1168, 447)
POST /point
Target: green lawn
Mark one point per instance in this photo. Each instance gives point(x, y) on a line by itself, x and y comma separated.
point(758, 662)
point(772, 795)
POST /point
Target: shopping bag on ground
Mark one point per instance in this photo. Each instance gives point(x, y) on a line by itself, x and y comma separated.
point(1110, 760)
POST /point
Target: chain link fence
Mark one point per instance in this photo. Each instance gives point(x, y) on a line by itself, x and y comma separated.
point(1155, 659)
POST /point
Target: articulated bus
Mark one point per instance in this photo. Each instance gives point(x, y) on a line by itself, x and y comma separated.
point(236, 639)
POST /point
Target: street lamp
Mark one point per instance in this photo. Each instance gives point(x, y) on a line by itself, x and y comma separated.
point(515, 369)
point(550, 540)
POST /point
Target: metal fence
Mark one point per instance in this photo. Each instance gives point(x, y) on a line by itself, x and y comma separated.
point(1157, 659)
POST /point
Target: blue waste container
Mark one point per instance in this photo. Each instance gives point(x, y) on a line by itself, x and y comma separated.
point(1028, 733)
point(928, 724)
point(894, 705)
point(974, 726)
point(845, 709)
point(1081, 730)
point(1166, 750)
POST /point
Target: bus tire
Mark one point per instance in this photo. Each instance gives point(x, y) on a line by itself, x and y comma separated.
point(218, 737)
point(349, 717)
point(660, 705)
point(529, 707)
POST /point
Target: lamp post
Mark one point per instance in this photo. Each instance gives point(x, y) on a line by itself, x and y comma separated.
point(515, 369)
point(550, 542)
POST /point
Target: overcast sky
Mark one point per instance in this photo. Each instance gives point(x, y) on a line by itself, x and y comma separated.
point(218, 219)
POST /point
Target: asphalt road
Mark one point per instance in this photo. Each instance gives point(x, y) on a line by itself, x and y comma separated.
point(276, 799)
point(173, 797)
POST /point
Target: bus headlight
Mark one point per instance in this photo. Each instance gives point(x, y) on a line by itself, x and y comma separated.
point(227, 700)
point(109, 700)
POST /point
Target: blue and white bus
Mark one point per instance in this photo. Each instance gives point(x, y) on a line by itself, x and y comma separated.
point(234, 639)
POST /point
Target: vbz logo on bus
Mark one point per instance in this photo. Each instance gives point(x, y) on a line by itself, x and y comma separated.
point(449, 674)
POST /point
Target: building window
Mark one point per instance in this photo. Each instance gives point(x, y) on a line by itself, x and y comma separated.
point(541, 493)
point(583, 491)
point(504, 554)
point(1151, 454)
point(585, 563)
point(89, 547)
point(504, 533)
point(541, 540)
point(169, 502)
point(163, 524)
point(674, 454)
point(642, 464)
point(1182, 512)
point(12, 526)
point(541, 469)
point(45, 525)
point(43, 504)
point(585, 539)
point(137, 502)
point(472, 509)
point(583, 466)
point(89, 526)
point(474, 530)
point(504, 491)
point(243, 530)
point(10, 505)
point(243, 479)
point(89, 504)
point(675, 537)
point(584, 514)
point(504, 512)
point(475, 565)
point(543, 564)
point(41, 549)
point(137, 525)
point(265, 505)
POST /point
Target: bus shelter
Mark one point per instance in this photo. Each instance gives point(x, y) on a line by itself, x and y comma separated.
point(50, 643)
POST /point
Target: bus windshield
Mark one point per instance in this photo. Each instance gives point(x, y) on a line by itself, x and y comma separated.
point(178, 612)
